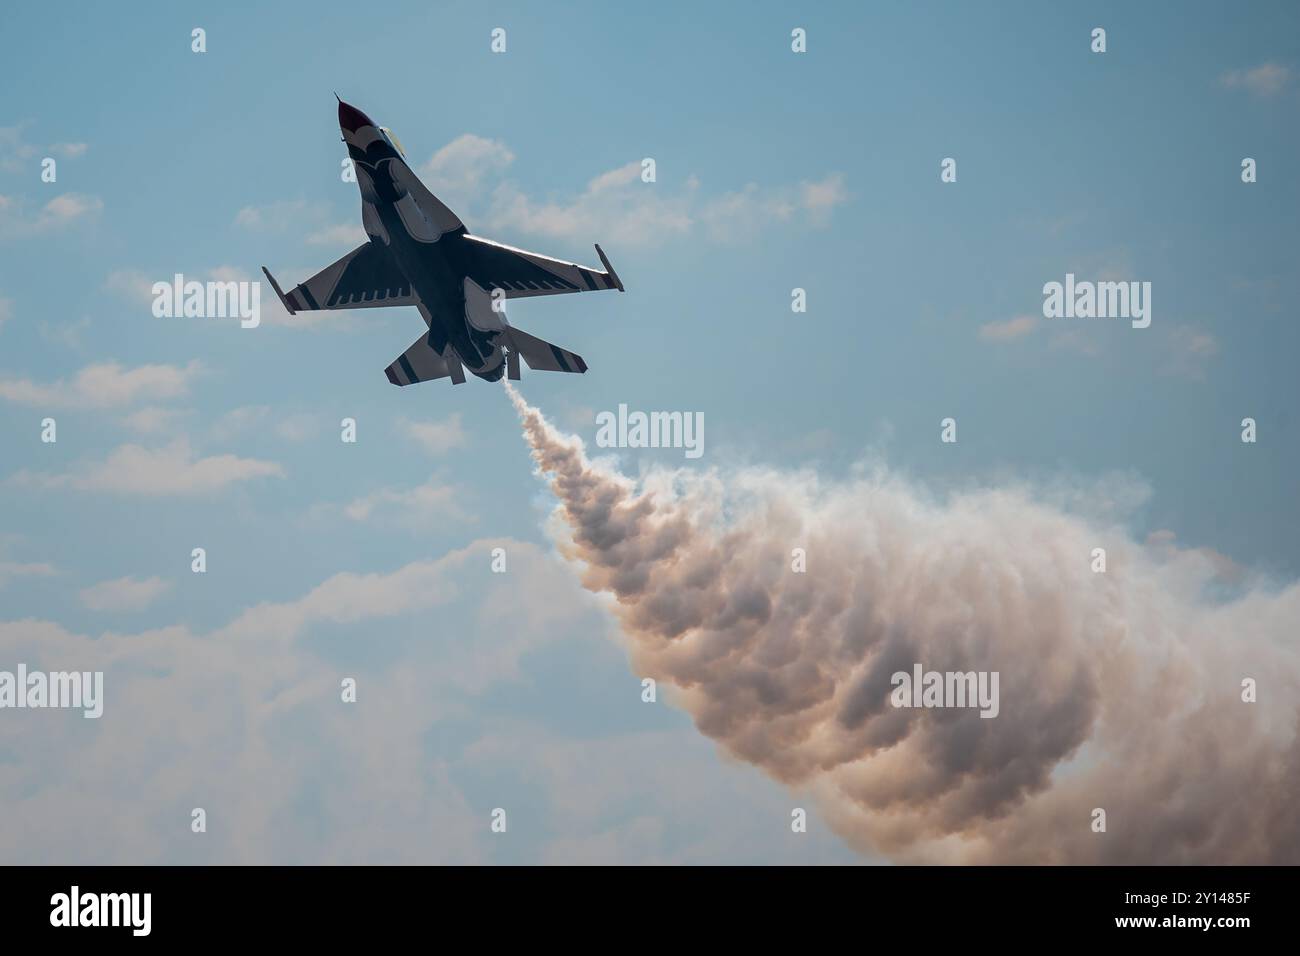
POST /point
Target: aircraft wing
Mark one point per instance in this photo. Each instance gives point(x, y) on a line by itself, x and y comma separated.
point(366, 277)
point(521, 274)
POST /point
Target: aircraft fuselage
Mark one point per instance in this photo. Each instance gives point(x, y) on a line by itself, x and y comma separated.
point(436, 265)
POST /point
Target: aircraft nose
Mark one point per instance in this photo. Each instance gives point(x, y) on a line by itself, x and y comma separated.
point(351, 118)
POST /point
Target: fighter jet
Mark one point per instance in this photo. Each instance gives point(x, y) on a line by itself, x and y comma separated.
point(419, 253)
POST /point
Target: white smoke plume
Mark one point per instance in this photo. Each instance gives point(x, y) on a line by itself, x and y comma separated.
point(1120, 691)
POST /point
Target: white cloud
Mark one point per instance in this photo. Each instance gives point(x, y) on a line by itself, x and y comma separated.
point(15, 152)
point(69, 150)
point(261, 419)
point(103, 385)
point(239, 421)
point(824, 194)
point(616, 206)
point(15, 569)
point(1189, 351)
point(421, 506)
point(273, 311)
point(220, 710)
point(131, 284)
point(123, 594)
point(1076, 340)
point(153, 419)
point(297, 427)
point(248, 715)
point(435, 437)
point(170, 470)
point(1008, 329)
point(65, 334)
point(231, 274)
point(280, 215)
point(137, 287)
point(458, 170)
point(300, 217)
point(740, 215)
point(1266, 79)
point(62, 210)
point(343, 234)
point(71, 206)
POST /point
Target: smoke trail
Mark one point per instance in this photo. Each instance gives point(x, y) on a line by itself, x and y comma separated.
point(1119, 690)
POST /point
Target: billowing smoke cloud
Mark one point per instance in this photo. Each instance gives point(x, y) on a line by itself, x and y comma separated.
point(1120, 691)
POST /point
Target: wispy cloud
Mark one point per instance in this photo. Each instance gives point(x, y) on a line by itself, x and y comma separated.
point(112, 782)
point(281, 215)
point(123, 594)
point(103, 385)
point(67, 208)
point(619, 205)
point(616, 205)
point(343, 234)
point(153, 419)
point(131, 284)
point(1008, 329)
point(16, 569)
point(173, 469)
point(248, 419)
point(435, 437)
point(743, 213)
point(1266, 79)
point(69, 150)
point(15, 151)
point(17, 221)
point(420, 506)
point(299, 217)
point(17, 154)
point(64, 334)
point(136, 287)
point(1189, 352)
point(1077, 340)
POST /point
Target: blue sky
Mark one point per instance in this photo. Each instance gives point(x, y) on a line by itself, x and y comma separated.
point(774, 171)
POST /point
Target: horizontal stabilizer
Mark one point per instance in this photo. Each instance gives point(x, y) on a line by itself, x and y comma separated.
point(543, 356)
point(420, 363)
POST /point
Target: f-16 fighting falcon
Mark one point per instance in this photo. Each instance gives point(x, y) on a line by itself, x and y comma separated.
point(419, 253)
